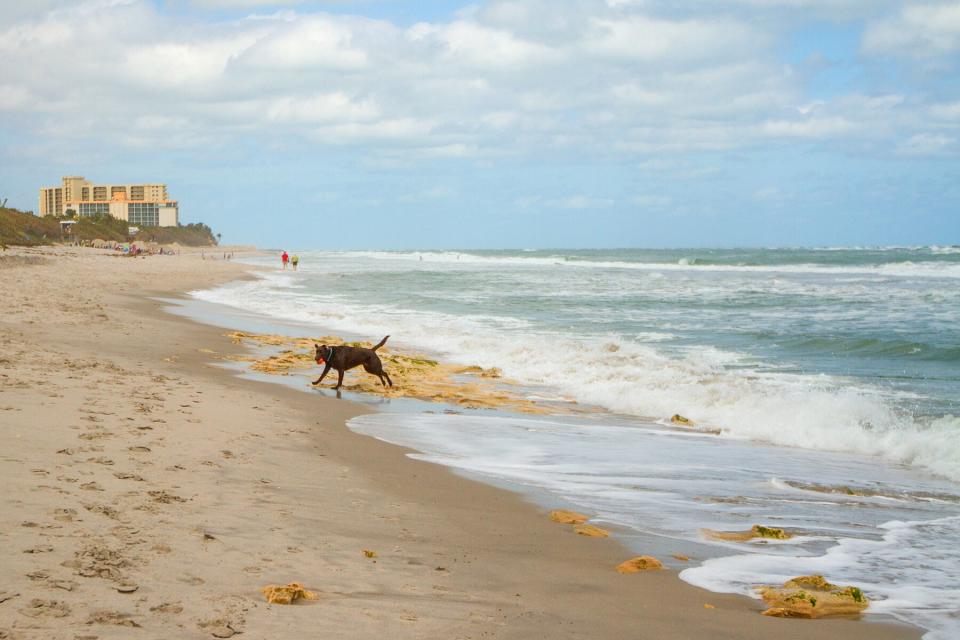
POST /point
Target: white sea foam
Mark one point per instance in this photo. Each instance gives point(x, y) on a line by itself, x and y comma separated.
point(635, 378)
point(950, 250)
point(906, 269)
point(911, 573)
point(669, 482)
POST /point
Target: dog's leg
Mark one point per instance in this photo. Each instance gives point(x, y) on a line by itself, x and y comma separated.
point(388, 378)
point(339, 378)
point(320, 379)
point(375, 368)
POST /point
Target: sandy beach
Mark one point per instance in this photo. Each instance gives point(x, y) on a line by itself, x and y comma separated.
point(150, 493)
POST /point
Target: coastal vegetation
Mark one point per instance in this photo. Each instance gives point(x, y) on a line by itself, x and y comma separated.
point(23, 228)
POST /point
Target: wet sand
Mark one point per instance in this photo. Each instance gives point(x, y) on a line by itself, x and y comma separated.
point(151, 493)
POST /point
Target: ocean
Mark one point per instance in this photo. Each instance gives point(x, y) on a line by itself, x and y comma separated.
point(824, 385)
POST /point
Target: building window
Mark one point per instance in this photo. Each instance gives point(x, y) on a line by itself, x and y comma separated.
point(85, 193)
point(88, 209)
point(99, 193)
point(144, 214)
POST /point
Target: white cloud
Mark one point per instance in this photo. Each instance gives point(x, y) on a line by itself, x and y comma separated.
point(946, 111)
point(651, 201)
point(809, 128)
point(13, 97)
point(503, 78)
point(479, 46)
point(316, 108)
point(574, 202)
point(927, 144)
point(926, 30)
point(306, 43)
point(171, 65)
point(768, 194)
point(396, 130)
point(439, 192)
point(580, 202)
point(243, 4)
point(649, 40)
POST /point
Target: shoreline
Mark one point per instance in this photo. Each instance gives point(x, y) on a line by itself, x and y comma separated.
point(455, 558)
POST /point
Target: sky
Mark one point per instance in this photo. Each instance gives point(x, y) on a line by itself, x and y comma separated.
point(498, 124)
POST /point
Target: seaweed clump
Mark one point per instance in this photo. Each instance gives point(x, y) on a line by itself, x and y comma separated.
point(638, 564)
point(287, 594)
point(564, 516)
point(756, 531)
point(812, 597)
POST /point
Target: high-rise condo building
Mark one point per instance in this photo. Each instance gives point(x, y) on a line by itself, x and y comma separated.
point(144, 205)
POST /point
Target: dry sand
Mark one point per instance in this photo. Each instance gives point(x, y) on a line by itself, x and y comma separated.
point(149, 494)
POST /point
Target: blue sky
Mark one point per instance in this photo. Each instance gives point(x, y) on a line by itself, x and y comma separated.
point(580, 123)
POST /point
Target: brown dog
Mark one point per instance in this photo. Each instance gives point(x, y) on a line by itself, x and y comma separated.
point(343, 358)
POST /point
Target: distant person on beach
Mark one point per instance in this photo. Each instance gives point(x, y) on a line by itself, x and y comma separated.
point(294, 261)
point(284, 259)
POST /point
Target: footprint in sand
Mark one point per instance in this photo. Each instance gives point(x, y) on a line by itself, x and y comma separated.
point(165, 497)
point(51, 583)
point(168, 607)
point(112, 617)
point(46, 608)
point(126, 475)
point(66, 585)
point(39, 549)
point(95, 435)
point(102, 509)
point(97, 561)
point(64, 515)
point(91, 486)
point(51, 488)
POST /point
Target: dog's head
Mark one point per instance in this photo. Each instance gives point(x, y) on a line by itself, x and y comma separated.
point(321, 353)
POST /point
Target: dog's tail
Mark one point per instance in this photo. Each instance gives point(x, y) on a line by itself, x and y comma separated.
point(381, 343)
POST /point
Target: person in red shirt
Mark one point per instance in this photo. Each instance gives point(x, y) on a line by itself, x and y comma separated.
point(284, 258)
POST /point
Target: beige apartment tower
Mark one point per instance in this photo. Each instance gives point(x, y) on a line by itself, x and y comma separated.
point(144, 205)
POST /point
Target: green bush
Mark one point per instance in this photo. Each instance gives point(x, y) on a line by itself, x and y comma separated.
point(24, 228)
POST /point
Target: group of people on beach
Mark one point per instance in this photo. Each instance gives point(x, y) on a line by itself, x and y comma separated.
point(293, 261)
